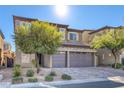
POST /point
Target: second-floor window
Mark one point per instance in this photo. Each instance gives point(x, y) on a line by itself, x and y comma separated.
point(25, 23)
point(22, 23)
point(73, 36)
point(63, 32)
point(17, 22)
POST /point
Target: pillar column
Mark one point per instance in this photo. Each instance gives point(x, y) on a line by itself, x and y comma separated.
point(120, 59)
point(50, 61)
point(68, 59)
point(95, 60)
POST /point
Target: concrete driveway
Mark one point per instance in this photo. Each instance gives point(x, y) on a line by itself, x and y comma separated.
point(91, 72)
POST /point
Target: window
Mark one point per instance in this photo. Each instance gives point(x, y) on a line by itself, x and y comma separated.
point(17, 22)
point(25, 23)
point(73, 36)
point(62, 29)
point(63, 32)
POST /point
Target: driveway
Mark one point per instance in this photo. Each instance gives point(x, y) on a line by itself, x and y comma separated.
point(90, 77)
point(91, 72)
point(7, 74)
point(81, 77)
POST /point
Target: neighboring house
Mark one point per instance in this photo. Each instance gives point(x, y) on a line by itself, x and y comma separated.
point(9, 55)
point(74, 52)
point(1, 48)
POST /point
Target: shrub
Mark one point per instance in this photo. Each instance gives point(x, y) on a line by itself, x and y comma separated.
point(118, 65)
point(16, 80)
point(34, 62)
point(17, 71)
point(33, 80)
point(66, 77)
point(52, 73)
point(30, 73)
point(48, 78)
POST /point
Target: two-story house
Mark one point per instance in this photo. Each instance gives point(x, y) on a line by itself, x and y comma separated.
point(74, 52)
point(1, 47)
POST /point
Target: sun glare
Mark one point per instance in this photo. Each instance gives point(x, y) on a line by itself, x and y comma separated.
point(61, 10)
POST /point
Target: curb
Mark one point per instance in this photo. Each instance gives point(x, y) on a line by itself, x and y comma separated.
point(74, 81)
point(47, 84)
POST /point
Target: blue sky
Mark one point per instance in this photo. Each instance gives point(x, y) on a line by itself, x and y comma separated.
point(80, 17)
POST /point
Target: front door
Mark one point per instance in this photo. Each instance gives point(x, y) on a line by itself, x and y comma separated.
point(41, 60)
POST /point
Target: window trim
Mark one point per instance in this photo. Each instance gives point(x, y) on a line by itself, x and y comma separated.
point(63, 38)
point(77, 36)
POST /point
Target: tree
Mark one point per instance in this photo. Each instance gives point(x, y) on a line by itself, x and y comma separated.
point(112, 40)
point(39, 38)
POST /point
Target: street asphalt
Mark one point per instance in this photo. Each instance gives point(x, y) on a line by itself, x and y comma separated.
point(98, 84)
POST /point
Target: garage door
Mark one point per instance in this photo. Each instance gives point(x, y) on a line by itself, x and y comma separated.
point(78, 59)
point(58, 60)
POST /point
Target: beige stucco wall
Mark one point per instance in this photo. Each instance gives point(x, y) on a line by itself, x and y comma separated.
point(85, 36)
point(105, 57)
point(24, 59)
point(47, 60)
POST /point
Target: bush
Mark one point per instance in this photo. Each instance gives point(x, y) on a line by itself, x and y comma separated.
point(66, 77)
point(16, 80)
point(17, 71)
point(118, 65)
point(48, 78)
point(30, 73)
point(32, 80)
point(34, 62)
point(123, 67)
point(52, 73)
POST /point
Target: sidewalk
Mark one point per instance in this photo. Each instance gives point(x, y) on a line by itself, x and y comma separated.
point(24, 85)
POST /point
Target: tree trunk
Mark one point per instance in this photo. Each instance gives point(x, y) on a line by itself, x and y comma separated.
point(116, 56)
point(37, 63)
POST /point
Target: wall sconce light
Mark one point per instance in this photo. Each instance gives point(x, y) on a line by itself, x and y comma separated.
point(110, 54)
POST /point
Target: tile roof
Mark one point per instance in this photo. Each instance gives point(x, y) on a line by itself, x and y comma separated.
point(102, 28)
point(72, 29)
point(73, 43)
point(32, 19)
